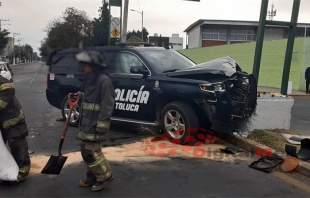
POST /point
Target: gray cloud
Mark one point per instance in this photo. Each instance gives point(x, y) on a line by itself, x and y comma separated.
point(30, 17)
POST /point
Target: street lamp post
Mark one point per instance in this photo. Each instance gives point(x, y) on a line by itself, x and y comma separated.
point(142, 22)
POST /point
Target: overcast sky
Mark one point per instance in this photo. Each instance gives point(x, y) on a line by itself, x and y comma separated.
point(30, 17)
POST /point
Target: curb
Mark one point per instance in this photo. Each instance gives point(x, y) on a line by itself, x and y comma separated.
point(269, 92)
point(252, 146)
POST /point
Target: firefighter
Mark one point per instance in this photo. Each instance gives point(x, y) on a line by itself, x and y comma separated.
point(13, 127)
point(97, 107)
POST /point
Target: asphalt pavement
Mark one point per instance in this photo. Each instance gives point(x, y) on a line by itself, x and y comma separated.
point(300, 120)
point(137, 173)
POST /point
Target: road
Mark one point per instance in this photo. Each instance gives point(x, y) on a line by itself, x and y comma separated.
point(300, 120)
point(137, 173)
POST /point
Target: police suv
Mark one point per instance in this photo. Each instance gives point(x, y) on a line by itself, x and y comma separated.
point(161, 87)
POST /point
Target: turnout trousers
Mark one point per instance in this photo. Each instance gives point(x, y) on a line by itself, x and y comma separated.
point(18, 146)
point(98, 168)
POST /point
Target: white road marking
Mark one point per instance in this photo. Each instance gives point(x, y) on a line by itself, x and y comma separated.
point(33, 78)
point(16, 81)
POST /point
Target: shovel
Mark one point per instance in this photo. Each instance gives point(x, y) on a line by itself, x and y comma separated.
point(55, 163)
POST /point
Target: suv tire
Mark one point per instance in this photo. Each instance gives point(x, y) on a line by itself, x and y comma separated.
point(181, 118)
point(65, 110)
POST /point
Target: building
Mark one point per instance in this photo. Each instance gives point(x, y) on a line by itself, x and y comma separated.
point(156, 39)
point(207, 33)
point(174, 42)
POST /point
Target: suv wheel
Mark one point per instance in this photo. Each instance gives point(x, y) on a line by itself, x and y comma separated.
point(74, 120)
point(179, 121)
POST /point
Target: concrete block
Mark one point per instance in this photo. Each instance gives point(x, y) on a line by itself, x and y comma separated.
point(271, 113)
point(289, 87)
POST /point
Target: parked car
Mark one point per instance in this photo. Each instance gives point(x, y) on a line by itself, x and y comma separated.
point(5, 72)
point(10, 69)
point(161, 87)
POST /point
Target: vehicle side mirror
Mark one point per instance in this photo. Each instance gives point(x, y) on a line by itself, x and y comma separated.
point(139, 70)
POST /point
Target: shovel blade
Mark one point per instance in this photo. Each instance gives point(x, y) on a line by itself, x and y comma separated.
point(54, 165)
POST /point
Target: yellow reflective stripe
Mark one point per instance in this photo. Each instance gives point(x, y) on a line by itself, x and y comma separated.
point(99, 161)
point(103, 124)
point(93, 137)
point(25, 169)
point(5, 86)
point(12, 122)
point(84, 136)
point(91, 106)
point(3, 104)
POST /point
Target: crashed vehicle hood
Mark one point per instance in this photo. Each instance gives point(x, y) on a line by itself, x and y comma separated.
point(223, 66)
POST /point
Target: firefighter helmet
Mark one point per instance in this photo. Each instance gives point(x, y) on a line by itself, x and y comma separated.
point(91, 57)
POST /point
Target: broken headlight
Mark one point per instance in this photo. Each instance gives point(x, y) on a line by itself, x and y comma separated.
point(212, 87)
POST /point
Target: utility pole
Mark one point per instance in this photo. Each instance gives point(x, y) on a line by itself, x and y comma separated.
point(124, 29)
point(14, 34)
point(20, 54)
point(142, 27)
point(2, 20)
point(109, 43)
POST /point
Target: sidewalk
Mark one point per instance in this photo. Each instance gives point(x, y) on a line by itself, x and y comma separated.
point(277, 90)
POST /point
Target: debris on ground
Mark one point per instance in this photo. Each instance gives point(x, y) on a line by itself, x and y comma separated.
point(266, 164)
point(294, 139)
point(304, 152)
point(30, 151)
point(231, 149)
point(289, 164)
point(240, 133)
point(60, 120)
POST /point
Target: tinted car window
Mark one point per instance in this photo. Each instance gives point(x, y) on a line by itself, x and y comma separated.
point(167, 60)
point(110, 59)
point(124, 61)
point(65, 64)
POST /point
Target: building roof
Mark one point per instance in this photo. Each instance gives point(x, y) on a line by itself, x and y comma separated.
point(231, 22)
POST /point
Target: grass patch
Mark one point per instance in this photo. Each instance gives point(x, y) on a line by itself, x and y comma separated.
point(272, 138)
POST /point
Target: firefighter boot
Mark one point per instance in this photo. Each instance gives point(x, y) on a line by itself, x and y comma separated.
point(90, 180)
point(100, 185)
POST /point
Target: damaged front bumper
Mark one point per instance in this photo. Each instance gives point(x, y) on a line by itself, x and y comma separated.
point(236, 101)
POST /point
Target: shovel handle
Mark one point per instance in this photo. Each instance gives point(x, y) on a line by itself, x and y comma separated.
point(72, 104)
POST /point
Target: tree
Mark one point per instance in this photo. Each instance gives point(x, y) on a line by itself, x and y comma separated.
point(28, 52)
point(159, 41)
point(130, 34)
point(101, 26)
point(138, 34)
point(145, 35)
point(18, 51)
point(134, 39)
point(69, 29)
point(44, 49)
point(3, 39)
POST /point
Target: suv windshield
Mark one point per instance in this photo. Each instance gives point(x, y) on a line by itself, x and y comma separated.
point(167, 60)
